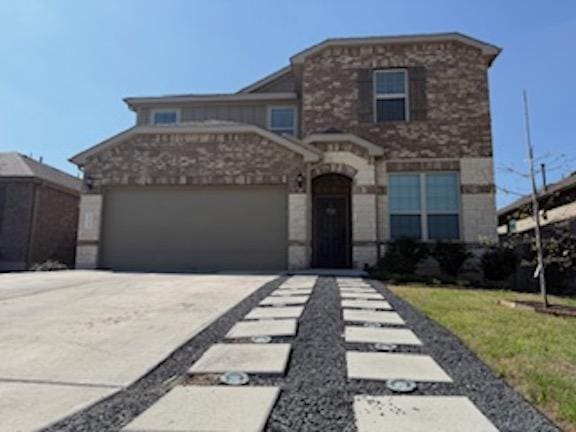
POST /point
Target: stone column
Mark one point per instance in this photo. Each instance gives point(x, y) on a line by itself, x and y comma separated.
point(479, 221)
point(363, 229)
point(87, 248)
point(297, 231)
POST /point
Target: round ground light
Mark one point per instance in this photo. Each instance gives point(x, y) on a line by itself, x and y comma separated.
point(261, 339)
point(401, 385)
point(234, 378)
point(385, 347)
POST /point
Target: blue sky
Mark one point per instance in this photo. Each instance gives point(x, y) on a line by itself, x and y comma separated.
point(66, 65)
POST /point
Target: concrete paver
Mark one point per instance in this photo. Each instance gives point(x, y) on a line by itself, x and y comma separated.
point(249, 358)
point(361, 295)
point(209, 408)
point(397, 336)
point(284, 300)
point(281, 327)
point(292, 291)
point(419, 413)
point(384, 366)
point(275, 312)
point(366, 304)
point(383, 317)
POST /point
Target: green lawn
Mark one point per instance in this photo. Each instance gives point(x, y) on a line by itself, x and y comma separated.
point(535, 353)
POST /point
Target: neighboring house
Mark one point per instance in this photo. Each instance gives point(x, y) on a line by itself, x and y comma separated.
point(356, 142)
point(558, 208)
point(38, 213)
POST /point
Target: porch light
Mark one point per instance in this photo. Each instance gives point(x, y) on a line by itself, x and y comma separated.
point(300, 181)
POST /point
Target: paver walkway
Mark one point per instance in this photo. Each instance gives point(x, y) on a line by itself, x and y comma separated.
point(323, 370)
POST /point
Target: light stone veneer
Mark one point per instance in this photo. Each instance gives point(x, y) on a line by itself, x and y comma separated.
point(297, 257)
point(86, 257)
point(89, 222)
point(366, 170)
point(297, 212)
point(476, 171)
point(479, 218)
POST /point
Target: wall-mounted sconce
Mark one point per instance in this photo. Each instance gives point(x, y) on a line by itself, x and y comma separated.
point(88, 183)
point(300, 181)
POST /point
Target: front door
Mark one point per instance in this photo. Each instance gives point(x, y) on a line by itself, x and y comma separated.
point(331, 221)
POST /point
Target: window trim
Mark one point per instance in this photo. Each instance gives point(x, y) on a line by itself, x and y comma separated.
point(269, 110)
point(381, 96)
point(424, 213)
point(155, 111)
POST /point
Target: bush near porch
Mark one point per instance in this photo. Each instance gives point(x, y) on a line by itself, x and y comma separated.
point(534, 353)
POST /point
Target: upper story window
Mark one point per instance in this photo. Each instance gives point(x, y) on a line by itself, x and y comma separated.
point(282, 120)
point(165, 116)
point(424, 206)
point(391, 95)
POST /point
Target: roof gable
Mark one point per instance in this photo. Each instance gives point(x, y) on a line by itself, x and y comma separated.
point(489, 50)
point(308, 152)
point(14, 164)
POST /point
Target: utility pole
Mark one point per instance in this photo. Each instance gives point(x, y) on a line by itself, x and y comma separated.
point(540, 270)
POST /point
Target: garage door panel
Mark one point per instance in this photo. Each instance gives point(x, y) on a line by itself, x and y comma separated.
point(210, 228)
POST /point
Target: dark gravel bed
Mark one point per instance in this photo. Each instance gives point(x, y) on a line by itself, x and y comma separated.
point(506, 408)
point(115, 412)
point(314, 394)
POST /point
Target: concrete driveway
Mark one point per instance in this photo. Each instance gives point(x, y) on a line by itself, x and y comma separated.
point(69, 339)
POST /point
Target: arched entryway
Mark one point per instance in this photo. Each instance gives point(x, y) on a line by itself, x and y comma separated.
point(331, 221)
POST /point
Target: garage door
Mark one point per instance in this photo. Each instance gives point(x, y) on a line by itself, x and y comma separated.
point(203, 229)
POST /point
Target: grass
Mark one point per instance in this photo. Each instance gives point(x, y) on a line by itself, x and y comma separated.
point(534, 353)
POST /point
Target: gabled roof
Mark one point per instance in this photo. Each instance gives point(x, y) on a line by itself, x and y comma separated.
point(266, 80)
point(309, 153)
point(489, 50)
point(13, 164)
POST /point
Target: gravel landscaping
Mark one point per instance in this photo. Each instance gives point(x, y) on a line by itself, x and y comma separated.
point(315, 393)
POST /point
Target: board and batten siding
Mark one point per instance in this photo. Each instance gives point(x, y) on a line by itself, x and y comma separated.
point(256, 114)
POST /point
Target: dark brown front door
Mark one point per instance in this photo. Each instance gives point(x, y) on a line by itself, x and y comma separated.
point(331, 221)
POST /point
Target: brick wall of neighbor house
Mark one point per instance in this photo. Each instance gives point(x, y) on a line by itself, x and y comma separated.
point(55, 224)
point(192, 159)
point(453, 133)
point(15, 223)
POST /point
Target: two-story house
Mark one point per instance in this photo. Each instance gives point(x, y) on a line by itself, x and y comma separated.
point(358, 141)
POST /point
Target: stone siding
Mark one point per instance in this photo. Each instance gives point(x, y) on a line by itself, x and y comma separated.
point(194, 159)
point(458, 120)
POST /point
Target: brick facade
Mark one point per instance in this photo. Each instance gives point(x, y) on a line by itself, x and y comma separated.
point(194, 159)
point(450, 131)
point(458, 120)
point(38, 222)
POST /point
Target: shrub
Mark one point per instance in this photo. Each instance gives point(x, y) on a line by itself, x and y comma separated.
point(499, 263)
point(450, 257)
point(402, 256)
point(49, 265)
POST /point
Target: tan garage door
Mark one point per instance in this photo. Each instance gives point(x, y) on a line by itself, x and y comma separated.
point(203, 229)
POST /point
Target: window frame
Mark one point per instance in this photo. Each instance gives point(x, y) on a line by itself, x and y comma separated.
point(155, 111)
point(271, 108)
point(424, 212)
point(383, 96)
